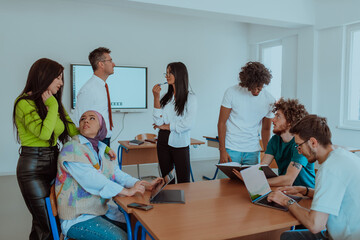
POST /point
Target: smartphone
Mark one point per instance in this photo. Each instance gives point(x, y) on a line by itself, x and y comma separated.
point(141, 206)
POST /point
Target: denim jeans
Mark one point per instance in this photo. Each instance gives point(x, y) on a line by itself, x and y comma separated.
point(246, 158)
point(304, 234)
point(98, 228)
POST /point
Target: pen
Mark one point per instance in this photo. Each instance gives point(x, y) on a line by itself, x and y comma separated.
point(162, 83)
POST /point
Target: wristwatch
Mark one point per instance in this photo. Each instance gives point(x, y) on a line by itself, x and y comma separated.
point(290, 202)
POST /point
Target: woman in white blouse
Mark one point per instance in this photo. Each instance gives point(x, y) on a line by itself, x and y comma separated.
point(174, 115)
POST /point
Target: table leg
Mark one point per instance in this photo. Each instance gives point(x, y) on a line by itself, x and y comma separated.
point(138, 171)
point(214, 177)
point(120, 155)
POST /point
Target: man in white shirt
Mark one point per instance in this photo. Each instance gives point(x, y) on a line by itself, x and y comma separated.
point(245, 107)
point(93, 95)
point(335, 204)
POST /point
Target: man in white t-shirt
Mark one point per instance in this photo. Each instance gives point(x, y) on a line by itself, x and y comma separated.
point(335, 204)
point(244, 109)
point(94, 94)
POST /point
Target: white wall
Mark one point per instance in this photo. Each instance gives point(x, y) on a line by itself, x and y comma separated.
point(318, 57)
point(65, 31)
point(330, 77)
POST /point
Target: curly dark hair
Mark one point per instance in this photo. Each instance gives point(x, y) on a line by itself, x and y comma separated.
point(292, 109)
point(253, 75)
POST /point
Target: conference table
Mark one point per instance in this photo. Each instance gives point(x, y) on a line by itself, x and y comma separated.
point(218, 209)
point(140, 154)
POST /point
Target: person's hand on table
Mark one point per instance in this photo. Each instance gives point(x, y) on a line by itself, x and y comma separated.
point(278, 197)
point(129, 192)
point(151, 185)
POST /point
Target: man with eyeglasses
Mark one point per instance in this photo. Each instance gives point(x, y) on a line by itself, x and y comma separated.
point(294, 168)
point(94, 95)
point(335, 204)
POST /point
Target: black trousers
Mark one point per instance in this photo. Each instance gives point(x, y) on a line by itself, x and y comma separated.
point(36, 172)
point(170, 157)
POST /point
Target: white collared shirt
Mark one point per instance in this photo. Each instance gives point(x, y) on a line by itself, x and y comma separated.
point(93, 96)
point(180, 126)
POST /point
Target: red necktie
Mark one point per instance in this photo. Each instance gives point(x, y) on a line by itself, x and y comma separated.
point(109, 106)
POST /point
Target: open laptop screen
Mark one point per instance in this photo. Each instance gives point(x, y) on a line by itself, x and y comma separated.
point(168, 178)
point(255, 182)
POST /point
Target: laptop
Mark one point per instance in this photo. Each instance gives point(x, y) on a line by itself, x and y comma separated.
point(259, 188)
point(159, 195)
point(227, 169)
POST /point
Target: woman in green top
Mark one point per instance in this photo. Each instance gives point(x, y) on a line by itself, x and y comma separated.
point(41, 120)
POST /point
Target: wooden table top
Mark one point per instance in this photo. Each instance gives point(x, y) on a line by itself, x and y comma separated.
point(218, 209)
point(125, 143)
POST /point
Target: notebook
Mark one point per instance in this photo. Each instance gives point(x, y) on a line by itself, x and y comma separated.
point(135, 142)
point(229, 166)
point(158, 195)
point(258, 187)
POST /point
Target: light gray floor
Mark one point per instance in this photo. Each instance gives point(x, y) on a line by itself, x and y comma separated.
point(15, 219)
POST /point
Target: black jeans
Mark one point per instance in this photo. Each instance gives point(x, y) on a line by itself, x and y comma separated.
point(169, 157)
point(36, 172)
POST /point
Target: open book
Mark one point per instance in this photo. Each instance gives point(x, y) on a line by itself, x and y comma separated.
point(229, 166)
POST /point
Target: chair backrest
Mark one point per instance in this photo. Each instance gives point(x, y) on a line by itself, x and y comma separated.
point(52, 212)
point(143, 136)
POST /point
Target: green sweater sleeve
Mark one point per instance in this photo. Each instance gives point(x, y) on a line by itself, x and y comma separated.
point(73, 130)
point(27, 112)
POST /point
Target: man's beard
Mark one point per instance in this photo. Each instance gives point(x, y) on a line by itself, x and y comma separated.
point(281, 129)
point(312, 156)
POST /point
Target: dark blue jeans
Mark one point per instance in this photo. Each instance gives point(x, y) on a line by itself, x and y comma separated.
point(98, 228)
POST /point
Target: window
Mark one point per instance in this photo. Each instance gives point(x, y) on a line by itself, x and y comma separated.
point(271, 57)
point(351, 90)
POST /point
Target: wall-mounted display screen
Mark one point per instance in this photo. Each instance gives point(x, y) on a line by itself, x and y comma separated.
point(127, 86)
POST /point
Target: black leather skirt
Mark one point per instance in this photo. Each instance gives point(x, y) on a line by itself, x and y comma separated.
point(36, 172)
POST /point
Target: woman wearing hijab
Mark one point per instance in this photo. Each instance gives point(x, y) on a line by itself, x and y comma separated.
point(87, 180)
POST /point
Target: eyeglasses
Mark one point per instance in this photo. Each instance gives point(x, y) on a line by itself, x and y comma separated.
point(167, 75)
point(297, 146)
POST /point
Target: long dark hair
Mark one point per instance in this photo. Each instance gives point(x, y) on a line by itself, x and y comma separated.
point(42, 73)
point(178, 69)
